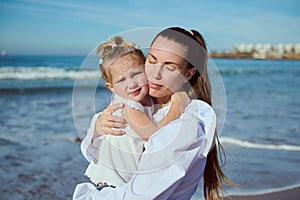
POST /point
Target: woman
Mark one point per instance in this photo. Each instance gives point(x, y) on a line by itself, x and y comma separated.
point(176, 60)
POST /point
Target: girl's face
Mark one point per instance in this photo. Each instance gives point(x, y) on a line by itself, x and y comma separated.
point(128, 79)
point(165, 69)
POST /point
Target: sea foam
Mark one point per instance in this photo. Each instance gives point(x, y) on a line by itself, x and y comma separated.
point(42, 72)
point(254, 145)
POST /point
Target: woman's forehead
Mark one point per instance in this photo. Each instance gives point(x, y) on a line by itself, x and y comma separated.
point(163, 56)
point(164, 44)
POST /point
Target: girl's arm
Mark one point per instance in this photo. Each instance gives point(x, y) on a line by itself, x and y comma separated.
point(141, 123)
point(179, 101)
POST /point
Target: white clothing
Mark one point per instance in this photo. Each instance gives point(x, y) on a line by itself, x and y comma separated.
point(175, 155)
point(118, 156)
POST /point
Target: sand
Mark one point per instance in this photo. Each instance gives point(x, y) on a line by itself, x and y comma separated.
point(291, 194)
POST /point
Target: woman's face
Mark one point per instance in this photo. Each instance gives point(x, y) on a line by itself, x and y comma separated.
point(165, 69)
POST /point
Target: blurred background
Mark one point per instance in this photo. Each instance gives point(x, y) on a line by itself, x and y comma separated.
point(44, 45)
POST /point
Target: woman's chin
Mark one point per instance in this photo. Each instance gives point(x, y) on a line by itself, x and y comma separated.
point(162, 93)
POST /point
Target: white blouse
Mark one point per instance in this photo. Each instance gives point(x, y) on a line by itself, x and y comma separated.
point(175, 155)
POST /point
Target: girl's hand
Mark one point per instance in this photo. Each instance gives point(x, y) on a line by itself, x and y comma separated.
point(106, 121)
point(182, 98)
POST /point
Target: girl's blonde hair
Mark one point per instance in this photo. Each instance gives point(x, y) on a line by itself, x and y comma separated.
point(200, 83)
point(115, 49)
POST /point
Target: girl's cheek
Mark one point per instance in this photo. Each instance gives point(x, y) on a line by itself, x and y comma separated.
point(120, 90)
point(144, 81)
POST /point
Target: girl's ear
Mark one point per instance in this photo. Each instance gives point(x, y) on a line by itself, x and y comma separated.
point(189, 73)
point(109, 86)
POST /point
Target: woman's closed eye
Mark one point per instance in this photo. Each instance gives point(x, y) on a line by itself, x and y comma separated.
point(151, 59)
point(170, 67)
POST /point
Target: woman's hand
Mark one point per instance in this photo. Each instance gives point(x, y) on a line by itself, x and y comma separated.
point(106, 121)
point(182, 98)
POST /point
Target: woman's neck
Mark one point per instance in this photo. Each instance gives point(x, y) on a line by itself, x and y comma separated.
point(147, 101)
point(164, 101)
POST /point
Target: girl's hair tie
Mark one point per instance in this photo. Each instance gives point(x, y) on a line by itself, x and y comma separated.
point(100, 61)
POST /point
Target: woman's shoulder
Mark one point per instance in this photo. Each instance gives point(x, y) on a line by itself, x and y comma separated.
point(196, 106)
point(200, 110)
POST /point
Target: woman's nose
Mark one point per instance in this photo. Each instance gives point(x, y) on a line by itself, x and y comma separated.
point(157, 72)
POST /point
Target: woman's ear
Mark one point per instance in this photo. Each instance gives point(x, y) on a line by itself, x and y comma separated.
point(109, 86)
point(190, 72)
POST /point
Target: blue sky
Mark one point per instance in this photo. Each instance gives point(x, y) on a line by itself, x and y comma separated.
point(74, 27)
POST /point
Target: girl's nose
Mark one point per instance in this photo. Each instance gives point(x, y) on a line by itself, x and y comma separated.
point(132, 83)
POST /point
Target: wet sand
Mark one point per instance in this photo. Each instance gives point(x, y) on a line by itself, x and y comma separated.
point(291, 194)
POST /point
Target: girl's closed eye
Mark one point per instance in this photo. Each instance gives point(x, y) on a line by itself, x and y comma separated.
point(121, 80)
point(137, 73)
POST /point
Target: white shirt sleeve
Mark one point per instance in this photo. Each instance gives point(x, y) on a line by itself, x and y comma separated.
point(206, 113)
point(87, 148)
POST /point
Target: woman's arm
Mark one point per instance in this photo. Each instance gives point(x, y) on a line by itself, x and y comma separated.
point(101, 124)
point(141, 123)
point(107, 120)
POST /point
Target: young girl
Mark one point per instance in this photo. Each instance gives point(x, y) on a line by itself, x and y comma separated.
point(122, 67)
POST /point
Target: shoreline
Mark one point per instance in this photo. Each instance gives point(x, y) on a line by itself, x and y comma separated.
point(291, 194)
point(232, 55)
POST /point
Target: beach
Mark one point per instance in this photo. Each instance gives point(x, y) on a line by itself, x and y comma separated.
point(39, 158)
point(291, 194)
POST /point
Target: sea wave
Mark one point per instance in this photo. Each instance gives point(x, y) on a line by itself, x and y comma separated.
point(254, 145)
point(257, 71)
point(42, 72)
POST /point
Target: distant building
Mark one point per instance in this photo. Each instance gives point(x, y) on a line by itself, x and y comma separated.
point(297, 49)
point(244, 48)
point(263, 51)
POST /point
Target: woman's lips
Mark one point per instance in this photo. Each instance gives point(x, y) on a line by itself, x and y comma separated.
point(155, 86)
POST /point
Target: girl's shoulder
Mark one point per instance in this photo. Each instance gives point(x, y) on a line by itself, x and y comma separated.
point(128, 102)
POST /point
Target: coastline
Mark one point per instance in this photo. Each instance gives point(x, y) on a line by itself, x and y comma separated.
point(291, 194)
point(232, 55)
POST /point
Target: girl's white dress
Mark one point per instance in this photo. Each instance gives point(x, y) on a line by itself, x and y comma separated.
point(118, 156)
point(173, 162)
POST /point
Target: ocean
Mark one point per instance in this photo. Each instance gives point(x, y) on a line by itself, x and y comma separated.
point(39, 158)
